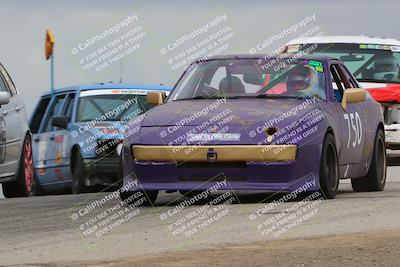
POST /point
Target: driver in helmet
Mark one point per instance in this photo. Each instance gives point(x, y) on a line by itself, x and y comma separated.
point(386, 67)
point(300, 81)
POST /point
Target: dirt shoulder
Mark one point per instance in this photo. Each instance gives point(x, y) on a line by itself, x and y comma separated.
point(363, 249)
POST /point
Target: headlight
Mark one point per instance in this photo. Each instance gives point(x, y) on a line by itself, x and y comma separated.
point(119, 149)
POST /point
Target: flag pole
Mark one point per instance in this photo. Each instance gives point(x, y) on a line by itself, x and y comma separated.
point(49, 53)
point(52, 73)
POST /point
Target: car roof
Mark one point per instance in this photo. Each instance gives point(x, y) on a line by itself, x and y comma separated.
point(281, 56)
point(345, 40)
point(99, 86)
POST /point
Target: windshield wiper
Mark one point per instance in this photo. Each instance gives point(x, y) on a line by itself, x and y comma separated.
point(207, 97)
point(108, 119)
point(279, 96)
point(192, 98)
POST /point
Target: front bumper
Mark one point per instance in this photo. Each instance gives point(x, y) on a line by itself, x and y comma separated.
point(158, 169)
point(392, 143)
point(220, 153)
point(392, 140)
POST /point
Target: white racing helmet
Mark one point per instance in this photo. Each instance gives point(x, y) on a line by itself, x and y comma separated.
point(386, 68)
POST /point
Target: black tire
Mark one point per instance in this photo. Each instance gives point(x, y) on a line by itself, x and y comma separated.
point(375, 179)
point(23, 186)
point(78, 174)
point(151, 197)
point(329, 168)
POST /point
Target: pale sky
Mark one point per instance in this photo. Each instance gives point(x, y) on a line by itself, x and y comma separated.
point(23, 24)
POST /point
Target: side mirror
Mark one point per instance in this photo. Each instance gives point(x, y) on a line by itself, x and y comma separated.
point(354, 95)
point(156, 97)
point(60, 121)
point(4, 98)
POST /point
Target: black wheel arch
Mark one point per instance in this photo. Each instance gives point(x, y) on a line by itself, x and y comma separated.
point(330, 130)
point(382, 128)
point(27, 133)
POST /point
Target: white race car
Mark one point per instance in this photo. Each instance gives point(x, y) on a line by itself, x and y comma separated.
point(375, 62)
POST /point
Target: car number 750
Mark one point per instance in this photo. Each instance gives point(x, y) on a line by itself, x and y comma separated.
point(354, 125)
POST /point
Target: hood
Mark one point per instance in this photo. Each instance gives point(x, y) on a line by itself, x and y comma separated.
point(246, 111)
point(233, 121)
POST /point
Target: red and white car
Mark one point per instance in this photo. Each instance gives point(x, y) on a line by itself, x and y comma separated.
point(375, 62)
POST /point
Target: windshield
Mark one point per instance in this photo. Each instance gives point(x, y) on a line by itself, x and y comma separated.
point(236, 78)
point(368, 63)
point(110, 107)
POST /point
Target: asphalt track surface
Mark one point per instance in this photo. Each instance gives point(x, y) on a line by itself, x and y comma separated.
point(42, 231)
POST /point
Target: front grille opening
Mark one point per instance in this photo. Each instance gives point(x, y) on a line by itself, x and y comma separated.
point(212, 165)
point(219, 178)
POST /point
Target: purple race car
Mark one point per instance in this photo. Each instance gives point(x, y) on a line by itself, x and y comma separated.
point(247, 122)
